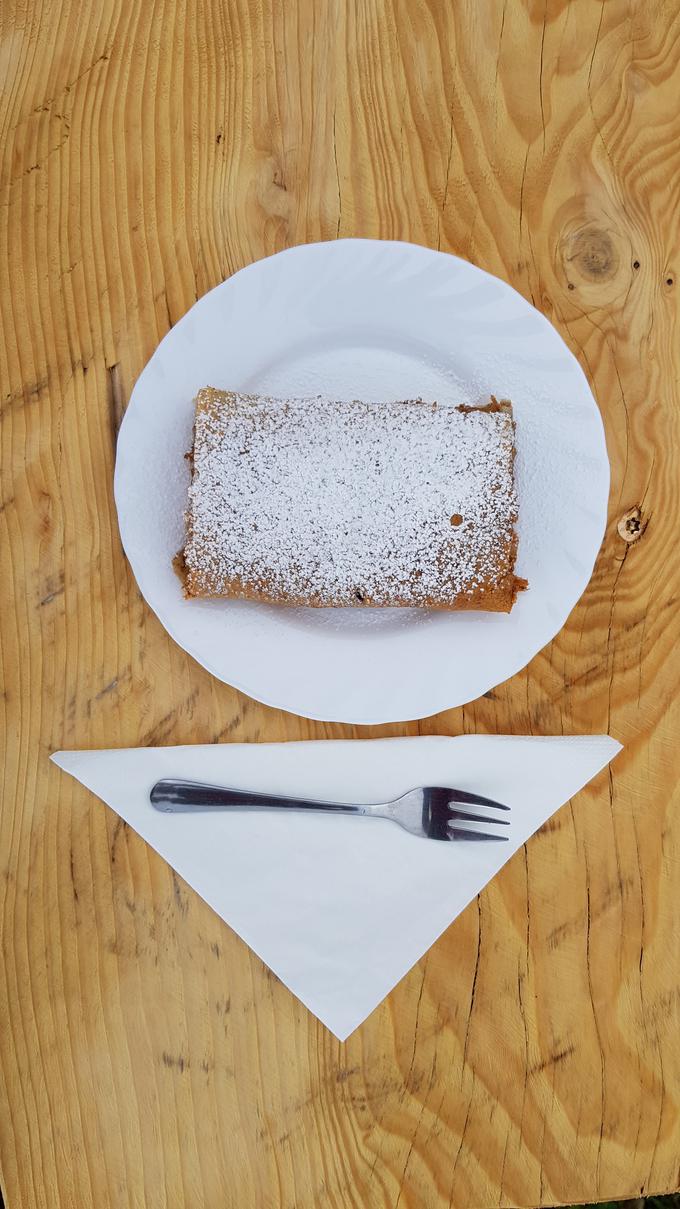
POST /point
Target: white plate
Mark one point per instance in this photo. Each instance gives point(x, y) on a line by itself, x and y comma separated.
point(377, 320)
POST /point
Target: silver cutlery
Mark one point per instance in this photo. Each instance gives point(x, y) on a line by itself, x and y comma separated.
point(432, 812)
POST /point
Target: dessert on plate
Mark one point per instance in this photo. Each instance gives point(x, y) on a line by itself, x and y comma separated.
point(330, 503)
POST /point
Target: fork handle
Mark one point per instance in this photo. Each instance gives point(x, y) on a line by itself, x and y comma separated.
point(176, 797)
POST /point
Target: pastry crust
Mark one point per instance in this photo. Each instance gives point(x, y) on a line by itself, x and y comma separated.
point(326, 503)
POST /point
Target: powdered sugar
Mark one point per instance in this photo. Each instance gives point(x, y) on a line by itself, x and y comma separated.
point(348, 503)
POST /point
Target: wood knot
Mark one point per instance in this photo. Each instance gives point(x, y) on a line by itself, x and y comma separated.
point(592, 253)
point(275, 193)
point(631, 525)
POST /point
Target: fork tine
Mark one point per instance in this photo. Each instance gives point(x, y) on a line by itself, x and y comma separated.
point(470, 817)
point(461, 833)
point(462, 797)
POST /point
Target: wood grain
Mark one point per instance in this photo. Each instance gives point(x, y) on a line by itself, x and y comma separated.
point(148, 1058)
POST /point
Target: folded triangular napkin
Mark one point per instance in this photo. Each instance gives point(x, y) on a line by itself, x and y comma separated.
point(339, 907)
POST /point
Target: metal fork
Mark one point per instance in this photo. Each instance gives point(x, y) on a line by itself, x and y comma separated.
point(431, 812)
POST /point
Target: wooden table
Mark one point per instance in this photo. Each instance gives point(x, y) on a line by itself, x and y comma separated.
point(148, 1058)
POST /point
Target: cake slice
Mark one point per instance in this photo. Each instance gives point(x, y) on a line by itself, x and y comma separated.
point(328, 503)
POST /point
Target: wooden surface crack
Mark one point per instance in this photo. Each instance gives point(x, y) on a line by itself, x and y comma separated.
point(115, 399)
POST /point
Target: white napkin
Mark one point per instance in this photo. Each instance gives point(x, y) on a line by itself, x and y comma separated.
point(340, 908)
